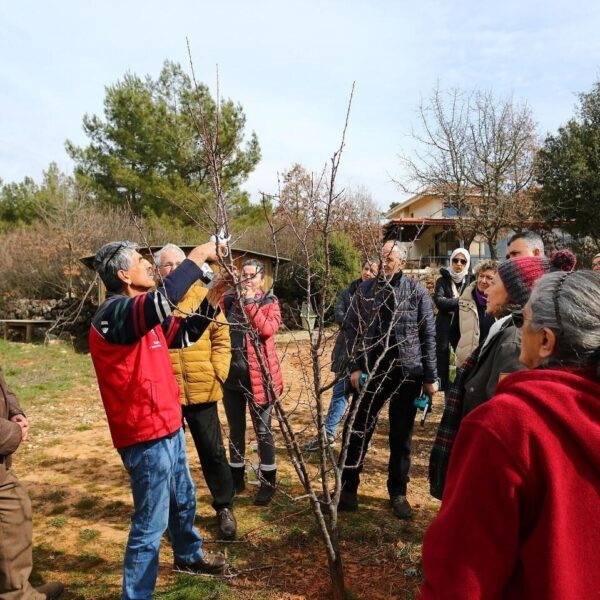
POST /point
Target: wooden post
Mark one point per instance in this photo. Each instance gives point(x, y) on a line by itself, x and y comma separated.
point(28, 329)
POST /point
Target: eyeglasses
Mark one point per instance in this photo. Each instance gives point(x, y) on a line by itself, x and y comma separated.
point(170, 265)
point(462, 261)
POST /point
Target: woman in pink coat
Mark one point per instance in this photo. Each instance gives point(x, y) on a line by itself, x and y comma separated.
point(253, 324)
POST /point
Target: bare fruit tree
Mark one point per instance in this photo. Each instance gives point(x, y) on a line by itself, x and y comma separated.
point(478, 153)
point(311, 209)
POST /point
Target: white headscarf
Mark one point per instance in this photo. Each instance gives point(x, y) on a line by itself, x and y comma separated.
point(459, 277)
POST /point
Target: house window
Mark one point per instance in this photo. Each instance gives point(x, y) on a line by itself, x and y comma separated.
point(444, 243)
point(450, 212)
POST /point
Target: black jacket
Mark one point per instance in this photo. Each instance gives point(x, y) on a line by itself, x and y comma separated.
point(446, 321)
point(412, 323)
point(339, 355)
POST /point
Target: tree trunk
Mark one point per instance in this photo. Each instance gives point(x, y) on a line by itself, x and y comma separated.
point(336, 572)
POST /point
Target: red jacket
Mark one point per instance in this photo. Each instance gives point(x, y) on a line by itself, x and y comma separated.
point(265, 319)
point(139, 392)
point(520, 511)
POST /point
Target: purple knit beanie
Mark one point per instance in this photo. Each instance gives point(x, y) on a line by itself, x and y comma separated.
point(520, 274)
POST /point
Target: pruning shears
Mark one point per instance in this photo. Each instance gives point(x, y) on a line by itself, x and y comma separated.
point(223, 240)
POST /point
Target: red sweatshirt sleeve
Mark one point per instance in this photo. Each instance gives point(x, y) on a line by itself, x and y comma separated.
point(470, 549)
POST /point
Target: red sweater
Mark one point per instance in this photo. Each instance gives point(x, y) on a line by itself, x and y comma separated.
point(520, 515)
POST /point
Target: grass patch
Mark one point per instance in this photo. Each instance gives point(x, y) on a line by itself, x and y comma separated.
point(59, 521)
point(37, 373)
point(58, 509)
point(86, 503)
point(83, 428)
point(190, 587)
point(54, 497)
point(88, 535)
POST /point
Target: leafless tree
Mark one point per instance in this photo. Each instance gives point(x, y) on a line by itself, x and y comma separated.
point(477, 152)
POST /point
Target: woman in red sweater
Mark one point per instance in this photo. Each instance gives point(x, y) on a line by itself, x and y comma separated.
point(519, 515)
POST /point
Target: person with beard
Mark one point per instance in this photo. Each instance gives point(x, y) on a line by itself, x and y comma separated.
point(518, 513)
point(448, 289)
point(391, 334)
point(339, 357)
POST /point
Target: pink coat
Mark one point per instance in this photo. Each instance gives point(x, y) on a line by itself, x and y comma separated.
point(265, 319)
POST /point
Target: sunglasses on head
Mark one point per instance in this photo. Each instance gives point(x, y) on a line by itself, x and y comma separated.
point(462, 261)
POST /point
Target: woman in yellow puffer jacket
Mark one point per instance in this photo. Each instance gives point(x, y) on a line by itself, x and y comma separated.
point(200, 370)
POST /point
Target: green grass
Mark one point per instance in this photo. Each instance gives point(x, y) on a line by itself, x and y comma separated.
point(191, 587)
point(59, 522)
point(38, 373)
point(88, 535)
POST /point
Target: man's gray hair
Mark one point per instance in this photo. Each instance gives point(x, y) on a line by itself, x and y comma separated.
point(254, 262)
point(533, 240)
point(488, 264)
point(569, 304)
point(398, 248)
point(112, 258)
point(172, 247)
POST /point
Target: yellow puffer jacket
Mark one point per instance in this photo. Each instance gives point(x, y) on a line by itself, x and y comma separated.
point(202, 368)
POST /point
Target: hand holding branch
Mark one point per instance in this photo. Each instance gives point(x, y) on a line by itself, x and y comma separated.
point(208, 252)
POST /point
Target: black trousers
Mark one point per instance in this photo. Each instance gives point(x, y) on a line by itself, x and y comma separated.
point(205, 427)
point(401, 394)
point(235, 407)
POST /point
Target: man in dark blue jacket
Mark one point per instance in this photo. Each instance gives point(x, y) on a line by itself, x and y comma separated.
point(391, 338)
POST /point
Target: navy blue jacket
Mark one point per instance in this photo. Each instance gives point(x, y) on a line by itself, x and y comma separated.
point(412, 326)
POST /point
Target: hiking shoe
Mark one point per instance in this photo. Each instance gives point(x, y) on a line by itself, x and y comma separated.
point(227, 523)
point(209, 564)
point(52, 590)
point(348, 502)
point(313, 445)
point(401, 508)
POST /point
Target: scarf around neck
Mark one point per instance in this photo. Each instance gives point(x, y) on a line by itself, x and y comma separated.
point(480, 298)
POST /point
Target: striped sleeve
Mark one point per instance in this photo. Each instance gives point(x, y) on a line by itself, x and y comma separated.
point(183, 332)
point(123, 320)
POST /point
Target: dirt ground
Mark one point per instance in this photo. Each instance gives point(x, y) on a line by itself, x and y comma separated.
point(82, 502)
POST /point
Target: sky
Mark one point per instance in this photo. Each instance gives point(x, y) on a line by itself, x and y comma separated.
point(291, 66)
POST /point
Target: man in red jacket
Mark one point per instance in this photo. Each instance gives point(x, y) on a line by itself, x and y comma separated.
point(129, 340)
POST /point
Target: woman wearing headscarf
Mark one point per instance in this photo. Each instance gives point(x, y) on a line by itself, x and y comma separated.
point(448, 288)
point(477, 378)
point(518, 513)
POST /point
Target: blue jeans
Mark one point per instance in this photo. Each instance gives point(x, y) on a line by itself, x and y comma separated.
point(164, 495)
point(337, 406)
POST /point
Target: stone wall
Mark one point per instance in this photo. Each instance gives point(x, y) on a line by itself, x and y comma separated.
point(71, 316)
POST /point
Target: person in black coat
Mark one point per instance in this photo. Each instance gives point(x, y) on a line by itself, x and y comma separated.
point(339, 357)
point(448, 289)
point(390, 333)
